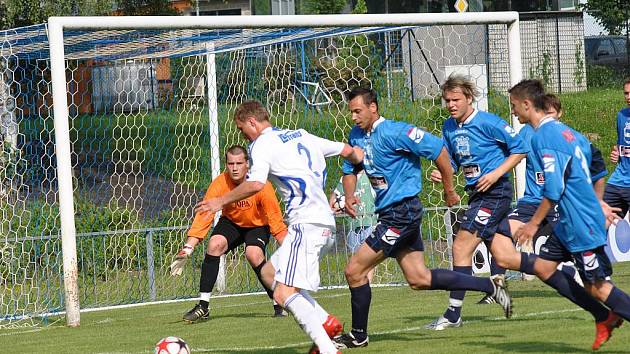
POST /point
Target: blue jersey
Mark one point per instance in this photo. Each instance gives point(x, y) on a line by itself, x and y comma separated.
point(480, 144)
point(534, 176)
point(391, 162)
point(621, 176)
point(565, 156)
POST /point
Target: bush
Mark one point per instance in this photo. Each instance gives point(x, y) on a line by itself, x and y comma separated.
point(602, 76)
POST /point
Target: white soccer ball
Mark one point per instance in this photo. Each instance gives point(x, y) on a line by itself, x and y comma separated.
point(171, 345)
point(340, 201)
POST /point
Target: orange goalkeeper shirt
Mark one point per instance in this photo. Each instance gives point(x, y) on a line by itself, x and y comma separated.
point(260, 209)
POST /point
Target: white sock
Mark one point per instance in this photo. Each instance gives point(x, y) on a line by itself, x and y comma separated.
point(321, 313)
point(308, 319)
point(204, 296)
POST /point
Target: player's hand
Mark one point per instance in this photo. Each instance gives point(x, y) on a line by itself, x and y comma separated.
point(611, 214)
point(451, 198)
point(181, 258)
point(486, 181)
point(211, 205)
point(436, 176)
point(525, 234)
point(358, 155)
point(614, 154)
point(351, 201)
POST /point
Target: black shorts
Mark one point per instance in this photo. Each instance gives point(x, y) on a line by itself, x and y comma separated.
point(487, 211)
point(398, 228)
point(592, 264)
point(236, 235)
point(617, 197)
point(525, 211)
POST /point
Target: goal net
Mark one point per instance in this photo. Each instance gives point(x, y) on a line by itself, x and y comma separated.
point(149, 116)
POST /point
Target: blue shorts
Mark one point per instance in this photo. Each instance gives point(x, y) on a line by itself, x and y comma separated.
point(398, 228)
point(592, 264)
point(617, 197)
point(487, 211)
point(525, 211)
point(355, 237)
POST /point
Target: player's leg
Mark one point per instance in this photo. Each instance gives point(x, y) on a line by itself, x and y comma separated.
point(296, 263)
point(617, 197)
point(497, 273)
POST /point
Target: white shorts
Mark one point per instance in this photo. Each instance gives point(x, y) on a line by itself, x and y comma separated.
point(297, 260)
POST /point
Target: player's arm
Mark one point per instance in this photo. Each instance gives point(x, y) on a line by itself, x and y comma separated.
point(504, 133)
point(349, 183)
point(242, 191)
point(443, 163)
point(271, 208)
point(598, 171)
point(353, 154)
point(527, 231)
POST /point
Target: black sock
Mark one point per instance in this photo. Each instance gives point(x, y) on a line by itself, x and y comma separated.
point(204, 304)
point(495, 269)
point(360, 298)
point(454, 310)
point(444, 279)
point(619, 303)
point(209, 273)
point(527, 263)
point(569, 288)
point(257, 271)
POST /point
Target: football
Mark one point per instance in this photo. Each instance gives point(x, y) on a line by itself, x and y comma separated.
point(340, 201)
point(171, 345)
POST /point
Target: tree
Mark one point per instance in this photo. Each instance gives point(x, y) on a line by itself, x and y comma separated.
point(360, 7)
point(324, 6)
point(146, 8)
point(611, 14)
point(17, 13)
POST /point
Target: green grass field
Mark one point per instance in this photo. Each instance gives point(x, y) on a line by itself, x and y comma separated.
point(542, 323)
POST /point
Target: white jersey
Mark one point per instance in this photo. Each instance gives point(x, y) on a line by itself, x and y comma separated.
point(294, 161)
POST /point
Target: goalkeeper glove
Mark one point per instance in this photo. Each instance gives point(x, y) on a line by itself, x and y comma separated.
point(180, 260)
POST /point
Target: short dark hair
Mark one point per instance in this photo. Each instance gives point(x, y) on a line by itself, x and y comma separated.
point(552, 101)
point(251, 108)
point(368, 95)
point(236, 150)
point(626, 82)
point(532, 90)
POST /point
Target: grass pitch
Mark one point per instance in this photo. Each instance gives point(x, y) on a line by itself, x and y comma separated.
point(542, 323)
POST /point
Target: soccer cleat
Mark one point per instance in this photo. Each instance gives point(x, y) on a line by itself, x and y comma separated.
point(603, 330)
point(347, 340)
point(441, 323)
point(197, 313)
point(502, 296)
point(278, 311)
point(488, 299)
point(332, 326)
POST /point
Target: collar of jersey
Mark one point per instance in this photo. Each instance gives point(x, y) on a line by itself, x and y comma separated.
point(470, 118)
point(376, 123)
point(545, 120)
point(266, 130)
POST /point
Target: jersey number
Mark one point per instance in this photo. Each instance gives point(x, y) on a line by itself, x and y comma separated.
point(583, 163)
point(301, 148)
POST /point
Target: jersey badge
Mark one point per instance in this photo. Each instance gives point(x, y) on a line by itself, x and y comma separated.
point(483, 216)
point(415, 134)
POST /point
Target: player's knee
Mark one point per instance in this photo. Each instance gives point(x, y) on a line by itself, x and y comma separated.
point(217, 246)
point(254, 255)
point(353, 273)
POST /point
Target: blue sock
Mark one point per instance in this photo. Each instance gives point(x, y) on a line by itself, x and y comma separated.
point(456, 299)
point(619, 303)
point(444, 279)
point(495, 269)
point(360, 298)
point(567, 287)
point(527, 263)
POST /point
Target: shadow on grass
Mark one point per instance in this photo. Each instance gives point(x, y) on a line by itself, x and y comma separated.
point(532, 347)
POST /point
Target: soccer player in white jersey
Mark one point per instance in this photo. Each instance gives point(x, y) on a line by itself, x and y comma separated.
point(294, 161)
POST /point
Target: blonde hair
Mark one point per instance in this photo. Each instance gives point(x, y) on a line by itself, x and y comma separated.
point(251, 108)
point(462, 82)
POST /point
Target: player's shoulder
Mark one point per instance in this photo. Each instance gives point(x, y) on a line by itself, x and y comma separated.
point(624, 113)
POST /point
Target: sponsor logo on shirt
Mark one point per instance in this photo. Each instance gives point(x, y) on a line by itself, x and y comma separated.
point(624, 150)
point(568, 135)
point(549, 163)
point(483, 216)
point(378, 182)
point(242, 204)
point(626, 132)
point(415, 134)
point(590, 260)
point(471, 171)
point(540, 178)
point(510, 130)
point(391, 235)
point(462, 146)
point(290, 135)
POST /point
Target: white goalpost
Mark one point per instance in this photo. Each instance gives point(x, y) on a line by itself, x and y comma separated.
point(139, 109)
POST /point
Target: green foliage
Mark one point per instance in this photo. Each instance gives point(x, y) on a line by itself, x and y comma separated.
point(601, 76)
point(360, 7)
point(611, 14)
point(323, 6)
point(579, 64)
point(146, 8)
point(543, 70)
point(28, 12)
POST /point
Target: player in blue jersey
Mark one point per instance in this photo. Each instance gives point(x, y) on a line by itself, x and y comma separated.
point(563, 157)
point(617, 192)
point(392, 162)
point(294, 161)
point(486, 148)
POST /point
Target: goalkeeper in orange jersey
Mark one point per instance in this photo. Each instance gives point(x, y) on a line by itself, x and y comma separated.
point(249, 221)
